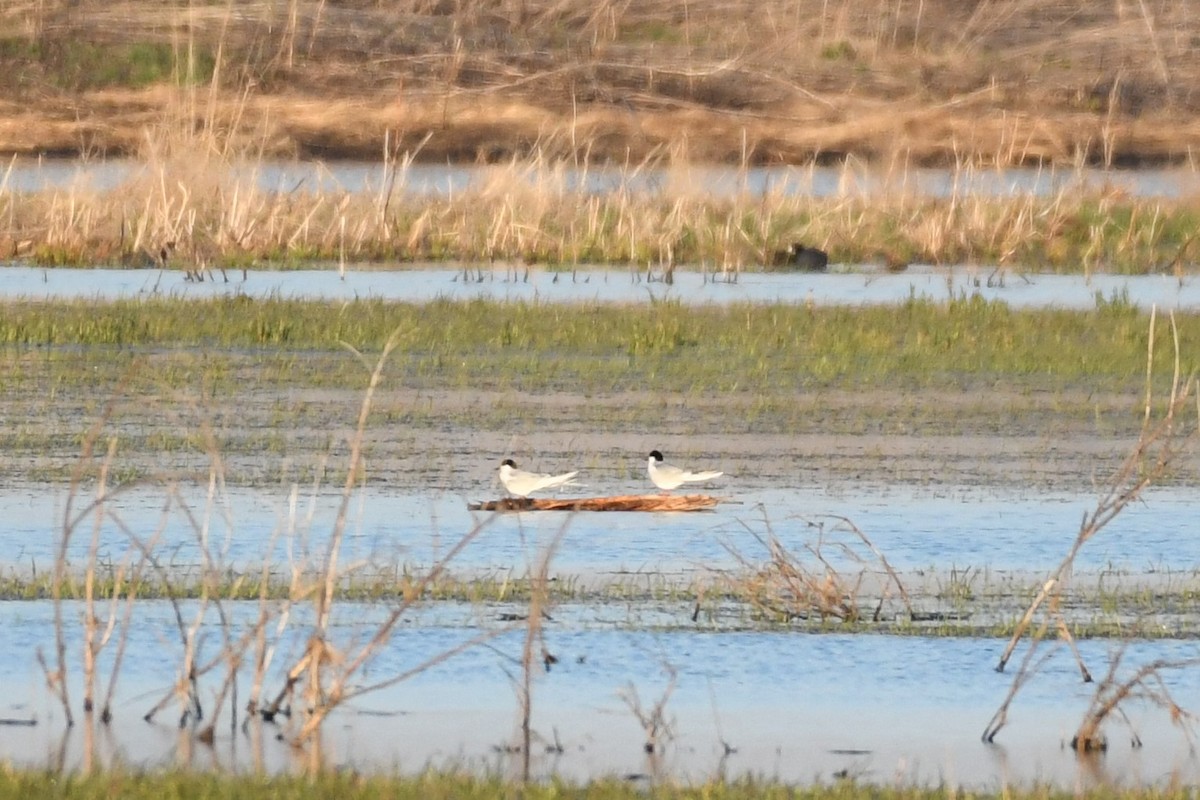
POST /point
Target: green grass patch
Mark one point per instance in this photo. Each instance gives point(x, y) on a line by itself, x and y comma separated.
point(653, 32)
point(443, 785)
point(532, 346)
point(677, 605)
point(77, 64)
point(386, 584)
point(364, 586)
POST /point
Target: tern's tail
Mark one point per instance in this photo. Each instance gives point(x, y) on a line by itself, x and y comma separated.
point(566, 479)
point(702, 476)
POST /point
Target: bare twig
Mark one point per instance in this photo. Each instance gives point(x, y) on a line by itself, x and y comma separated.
point(1151, 457)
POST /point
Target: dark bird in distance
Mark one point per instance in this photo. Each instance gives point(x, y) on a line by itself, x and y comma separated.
point(805, 259)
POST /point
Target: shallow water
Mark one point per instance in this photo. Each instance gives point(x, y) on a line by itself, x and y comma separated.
point(606, 286)
point(25, 175)
point(917, 529)
point(795, 707)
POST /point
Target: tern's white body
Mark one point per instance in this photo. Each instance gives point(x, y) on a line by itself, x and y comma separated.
point(522, 483)
point(668, 476)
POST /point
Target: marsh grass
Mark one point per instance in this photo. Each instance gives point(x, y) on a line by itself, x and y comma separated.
point(487, 366)
point(738, 347)
point(201, 220)
point(464, 785)
point(723, 81)
point(1092, 611)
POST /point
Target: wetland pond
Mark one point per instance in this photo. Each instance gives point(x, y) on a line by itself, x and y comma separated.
point(596, 285)
point(628, 626)
point(444, 180)
point(796, 704)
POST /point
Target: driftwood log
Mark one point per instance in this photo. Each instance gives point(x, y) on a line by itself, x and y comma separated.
point(625, 502)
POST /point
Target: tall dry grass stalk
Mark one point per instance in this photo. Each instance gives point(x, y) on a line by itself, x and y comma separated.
point(110, 628)
point(94, 642)
point(325, 671)
point(1146, 684)
point(535, 657)
point(1166, 433)
point(534, 652)
point(193, 619)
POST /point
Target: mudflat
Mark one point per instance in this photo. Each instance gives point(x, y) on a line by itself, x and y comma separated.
point(452, 439)
point(733, 81)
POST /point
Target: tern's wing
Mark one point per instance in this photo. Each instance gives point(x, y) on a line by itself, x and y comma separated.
point(701, 476)
point(545, 480)
point(669, 471)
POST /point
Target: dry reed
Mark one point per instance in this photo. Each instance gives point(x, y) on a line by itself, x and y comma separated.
point(57, 678)
point(203, 215)
point(730, 80)
point(208, 669)
point(661, 93)
point(534, 652)
point(1146, 684)
point(325, 670)
point(831, 584)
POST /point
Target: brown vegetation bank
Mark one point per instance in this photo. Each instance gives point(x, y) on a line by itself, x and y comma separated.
point(735, 81)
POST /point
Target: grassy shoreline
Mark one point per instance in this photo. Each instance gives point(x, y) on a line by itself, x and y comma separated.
point(199, 213)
